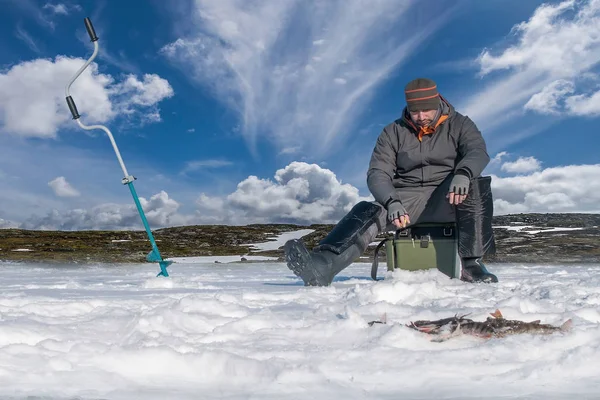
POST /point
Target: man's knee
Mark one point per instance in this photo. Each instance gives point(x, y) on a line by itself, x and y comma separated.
point(480, 194)
point(382, 220)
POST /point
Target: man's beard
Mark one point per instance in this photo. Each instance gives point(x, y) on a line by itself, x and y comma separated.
point(424, 122)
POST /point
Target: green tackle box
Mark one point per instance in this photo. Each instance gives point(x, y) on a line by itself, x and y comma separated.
point(421, 247)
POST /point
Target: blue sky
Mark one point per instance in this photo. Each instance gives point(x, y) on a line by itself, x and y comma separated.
point(242, 112)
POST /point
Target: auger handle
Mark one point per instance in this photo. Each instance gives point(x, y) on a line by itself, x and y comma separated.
point(90, 29)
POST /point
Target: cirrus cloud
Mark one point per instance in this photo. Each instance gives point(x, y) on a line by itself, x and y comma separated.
point(301, 91)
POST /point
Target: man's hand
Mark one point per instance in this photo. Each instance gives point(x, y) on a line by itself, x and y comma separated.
point(459, 187)
point(397, 214)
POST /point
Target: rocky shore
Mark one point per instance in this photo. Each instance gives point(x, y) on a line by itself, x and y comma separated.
point(520, 238)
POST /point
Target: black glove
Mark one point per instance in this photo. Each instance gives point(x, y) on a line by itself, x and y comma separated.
point(395, 210)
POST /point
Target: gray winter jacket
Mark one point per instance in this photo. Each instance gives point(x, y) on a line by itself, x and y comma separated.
point(400, 160)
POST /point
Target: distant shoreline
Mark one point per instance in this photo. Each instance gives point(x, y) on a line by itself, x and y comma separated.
point(551, 239)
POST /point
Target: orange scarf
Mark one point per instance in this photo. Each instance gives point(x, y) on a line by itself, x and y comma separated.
point(428, 130)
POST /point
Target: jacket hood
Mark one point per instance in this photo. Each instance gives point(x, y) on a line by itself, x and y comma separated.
point(447, 109)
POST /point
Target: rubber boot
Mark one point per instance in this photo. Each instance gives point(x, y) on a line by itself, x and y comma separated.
point(317, 268)
point(475, 232)
point(345, 243)
point(474, 270)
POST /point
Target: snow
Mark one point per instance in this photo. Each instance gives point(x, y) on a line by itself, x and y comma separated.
point(532, 229)
point(279, 240)
point(219, 259)
point(253, 331)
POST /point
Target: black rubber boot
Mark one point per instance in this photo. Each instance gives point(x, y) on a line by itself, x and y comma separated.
point(474, 270)
point(475, 232)
point(345, 243)
point(317, 268)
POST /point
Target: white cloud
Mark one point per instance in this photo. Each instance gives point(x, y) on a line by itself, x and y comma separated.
point(160, 211)
point(583, 105)
point(148, 92)
point(24, 36)
point(547, 101)
point(573, 188)
point(554, 54)
point(288, 86)
point(132, 94)
point(6, 224)
point(62, 188)
point(300, 193)
point(57, 8)
point(32, 102)
point(545, 39)
point(205, 164)
point(289, 150)
point(191, 130)
point(557, 98)
point(61, 9)
point(304, 193)
point(28, 165)
point(498, 157)
point(522, 165)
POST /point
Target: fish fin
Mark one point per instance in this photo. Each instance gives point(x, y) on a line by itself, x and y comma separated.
point(382, 320)
point(497, 314)
point(423, 329)
point(567, 325)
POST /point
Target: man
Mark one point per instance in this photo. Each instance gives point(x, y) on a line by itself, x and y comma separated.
point(425, 167)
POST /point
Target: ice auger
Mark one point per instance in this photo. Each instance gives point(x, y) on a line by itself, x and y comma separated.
point(154, 255)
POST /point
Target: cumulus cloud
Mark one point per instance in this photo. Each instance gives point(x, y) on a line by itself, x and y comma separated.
point(547, 69)
point(160, 211)
point(151, 90)
point(522, 165)
point(303, 194)
point(300, 90)
point(5, 224)
point(299, 193)
point(32, 100)
point(573, 188)
point(62, 188)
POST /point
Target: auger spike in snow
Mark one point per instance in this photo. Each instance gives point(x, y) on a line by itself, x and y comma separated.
point(154, 255)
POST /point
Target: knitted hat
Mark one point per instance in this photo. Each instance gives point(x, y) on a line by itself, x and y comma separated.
point(421, 95)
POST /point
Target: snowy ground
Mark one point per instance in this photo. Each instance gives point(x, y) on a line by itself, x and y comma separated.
point(253, 331)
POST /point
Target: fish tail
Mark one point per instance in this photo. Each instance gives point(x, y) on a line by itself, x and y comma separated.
point(567, 325)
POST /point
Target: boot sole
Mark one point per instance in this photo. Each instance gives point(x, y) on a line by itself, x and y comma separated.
point(298, 261)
